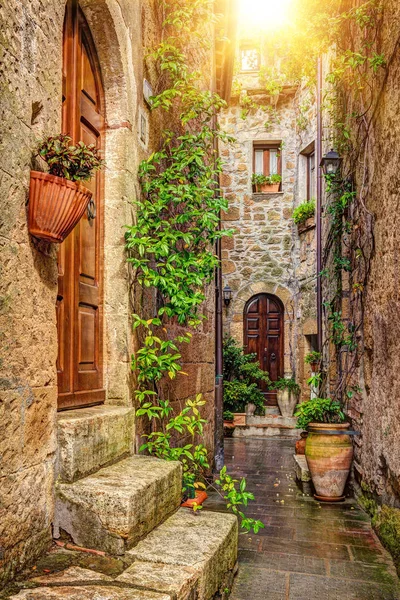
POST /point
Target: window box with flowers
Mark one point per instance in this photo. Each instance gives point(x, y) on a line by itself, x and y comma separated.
point(266, 183)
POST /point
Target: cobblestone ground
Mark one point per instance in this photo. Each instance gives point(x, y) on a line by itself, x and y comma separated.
point(308, 550)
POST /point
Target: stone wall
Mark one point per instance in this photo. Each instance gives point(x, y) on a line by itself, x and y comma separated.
point(306, 239)
point(376, 410)
point(30, 108)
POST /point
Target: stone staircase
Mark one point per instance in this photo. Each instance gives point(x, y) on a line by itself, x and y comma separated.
point(128, 506)
point(271, 425)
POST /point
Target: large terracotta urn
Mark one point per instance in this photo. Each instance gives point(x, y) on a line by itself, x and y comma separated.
point(329, 459)
point(287, 402)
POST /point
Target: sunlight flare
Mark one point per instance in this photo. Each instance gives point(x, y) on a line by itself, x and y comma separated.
point(264, 14)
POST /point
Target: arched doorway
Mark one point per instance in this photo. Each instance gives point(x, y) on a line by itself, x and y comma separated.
point(263, 335)
point(80, 265)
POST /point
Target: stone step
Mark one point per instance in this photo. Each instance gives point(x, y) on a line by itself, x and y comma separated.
point(272, 430)
point(272, 410)
point(201, 544)
point(90, 438)
point(114, 508)
point(272, 420)
point(191, 556)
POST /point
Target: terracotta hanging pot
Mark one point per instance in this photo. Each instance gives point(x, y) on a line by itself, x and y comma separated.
point(287, 402)
point(329, 459)
point(55, 206)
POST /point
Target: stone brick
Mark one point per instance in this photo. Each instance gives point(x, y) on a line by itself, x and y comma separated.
point(228, 266)
point(233, 214)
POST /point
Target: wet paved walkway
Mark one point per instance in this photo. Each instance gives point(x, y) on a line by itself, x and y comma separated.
point(308, 550)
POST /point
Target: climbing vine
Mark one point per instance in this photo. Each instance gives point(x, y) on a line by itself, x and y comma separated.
point(170, 246)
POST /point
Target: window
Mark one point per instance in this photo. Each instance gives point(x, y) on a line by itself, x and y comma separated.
point(311, 176)
point(249, 58)
point(267, 159)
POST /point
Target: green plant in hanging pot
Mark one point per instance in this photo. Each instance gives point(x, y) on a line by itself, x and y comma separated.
point(287, 394)
point(266, 183)
point(313, 359)
point(57, 199)
point(329, 449)
point(303, 212)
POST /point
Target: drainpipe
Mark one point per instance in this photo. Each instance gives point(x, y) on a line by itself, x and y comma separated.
point(319, 203)
point(219, 396)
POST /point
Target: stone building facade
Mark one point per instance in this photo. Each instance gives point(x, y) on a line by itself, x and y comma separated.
point(268, 253)
point(374, 312)
point(37, 444)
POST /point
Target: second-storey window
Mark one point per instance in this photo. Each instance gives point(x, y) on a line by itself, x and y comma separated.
point(267, 159)
point(249, 58)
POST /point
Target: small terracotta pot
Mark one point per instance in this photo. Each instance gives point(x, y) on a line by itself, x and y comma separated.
point(268, 188)
point(314, 367)
point(287, 402)
point(301, 443)
point(229, 428)
point(55, 206)
point(201, 496)
point(329, 459)
point(239, 419)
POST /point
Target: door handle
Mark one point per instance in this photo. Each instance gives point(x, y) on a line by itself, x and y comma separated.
point(273, 357)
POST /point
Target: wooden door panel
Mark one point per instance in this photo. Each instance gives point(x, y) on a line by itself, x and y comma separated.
point(80, 281)
point(263, 335)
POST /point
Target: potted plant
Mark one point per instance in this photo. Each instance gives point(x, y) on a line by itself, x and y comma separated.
point(288, 392)
point(57, 199)
point(314, 360)
point(229, 425)
point(266, 183)
point(329, 450)
point(241, 376)
point(303, 215)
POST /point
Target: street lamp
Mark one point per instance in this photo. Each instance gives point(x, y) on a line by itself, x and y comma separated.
point(227, 293)
point(330, 163)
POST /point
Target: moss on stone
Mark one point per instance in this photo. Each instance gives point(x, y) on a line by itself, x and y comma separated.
point(387, 525)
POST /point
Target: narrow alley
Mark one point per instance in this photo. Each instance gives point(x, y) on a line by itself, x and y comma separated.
point(308, 550)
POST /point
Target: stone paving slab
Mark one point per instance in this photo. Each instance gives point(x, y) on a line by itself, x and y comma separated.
point(308, 550)
point(88, 593)
point(72, 575)
point(179, 581)
point(309, 587)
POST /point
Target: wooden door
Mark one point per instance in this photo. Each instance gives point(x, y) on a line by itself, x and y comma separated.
point(80, 265)
point(263, 335)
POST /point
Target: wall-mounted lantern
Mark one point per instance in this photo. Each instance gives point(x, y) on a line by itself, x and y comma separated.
point(227, 294)
point(330, 163)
